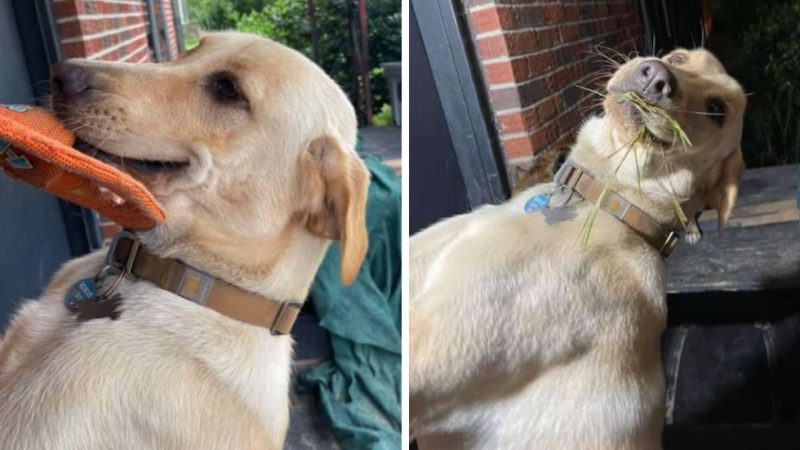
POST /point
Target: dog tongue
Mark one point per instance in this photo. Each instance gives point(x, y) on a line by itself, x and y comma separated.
point(36, 149)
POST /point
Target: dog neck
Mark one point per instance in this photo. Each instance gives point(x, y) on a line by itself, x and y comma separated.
point(597, 150)
point(281, 267)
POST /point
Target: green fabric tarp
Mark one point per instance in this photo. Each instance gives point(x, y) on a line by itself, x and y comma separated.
point(359, 388)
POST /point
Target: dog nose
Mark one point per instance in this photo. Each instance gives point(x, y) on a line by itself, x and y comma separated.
point(69, 79)
point(655, 81)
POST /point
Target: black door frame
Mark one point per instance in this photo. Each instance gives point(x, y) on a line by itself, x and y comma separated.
point(37, 30)
point(457, 78)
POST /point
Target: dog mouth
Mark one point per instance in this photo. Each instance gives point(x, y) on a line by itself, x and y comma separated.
point(128, 164)
point(651, 127)
point(652, 136)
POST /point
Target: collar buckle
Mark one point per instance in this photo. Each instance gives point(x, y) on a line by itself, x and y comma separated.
point(286, 308)
point(117, 259)
point(669, 244)
point(564, 174)
point(121, 267)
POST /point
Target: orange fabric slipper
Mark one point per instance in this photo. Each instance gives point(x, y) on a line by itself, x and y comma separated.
point(36, 149)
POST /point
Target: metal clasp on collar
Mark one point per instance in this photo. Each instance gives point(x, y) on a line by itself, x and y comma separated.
point(564, 174)
point(564, 183)
point(286, 306)
point(669, 244)
point(122, 269)
point(127, 265)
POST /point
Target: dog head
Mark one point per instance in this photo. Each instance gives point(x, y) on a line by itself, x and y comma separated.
point(243, 140)
point(689, 92)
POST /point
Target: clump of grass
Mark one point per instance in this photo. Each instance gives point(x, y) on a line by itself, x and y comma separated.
point(641, 139)
point(629, 147)
point(645, 108)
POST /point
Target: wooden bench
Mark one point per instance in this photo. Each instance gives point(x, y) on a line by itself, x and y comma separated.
point(732, 348)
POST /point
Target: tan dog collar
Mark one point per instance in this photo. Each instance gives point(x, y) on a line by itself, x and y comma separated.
point(579, 180)
point(128, 259)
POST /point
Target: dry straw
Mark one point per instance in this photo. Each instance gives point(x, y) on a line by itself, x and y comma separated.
point(643, 140)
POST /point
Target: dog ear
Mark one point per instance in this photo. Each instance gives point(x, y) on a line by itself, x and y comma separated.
point(722, 196)
point(338, 181)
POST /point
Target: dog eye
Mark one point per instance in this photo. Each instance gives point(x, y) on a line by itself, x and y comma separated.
point(677, 59)
point(716, 110)
point(225, 89)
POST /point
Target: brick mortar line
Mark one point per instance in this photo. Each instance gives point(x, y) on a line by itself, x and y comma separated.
point(519, 160)
point(504, 32)
point(483, 7)
point(507, 112)
point(133, 53)
point(514, 135)
point(116, 2)
point(108, 50)
point(493, 4)
point(526, 159)
point(544, 74)
point(494, 87)
point(584, 97)
point(102, 34)
point(538, 76)
point(555, 118)
point(81, 17)
point(488, 34)
point(501, 86)
point(506, 58)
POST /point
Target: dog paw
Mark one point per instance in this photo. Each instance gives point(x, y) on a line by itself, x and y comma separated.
point(693, 237)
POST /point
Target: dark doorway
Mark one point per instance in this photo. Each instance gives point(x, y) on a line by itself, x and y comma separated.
point(37, 231)
point(455, 164)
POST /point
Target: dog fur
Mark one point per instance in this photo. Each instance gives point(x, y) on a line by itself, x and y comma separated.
point(521, 338)
point(269, 176)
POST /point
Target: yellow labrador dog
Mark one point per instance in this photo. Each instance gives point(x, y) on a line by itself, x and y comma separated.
point(249, 146)
point(524, 335)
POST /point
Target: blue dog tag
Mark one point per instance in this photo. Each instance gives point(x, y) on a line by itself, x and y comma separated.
point(17, 108)
point(537, 203)
point(80, 292)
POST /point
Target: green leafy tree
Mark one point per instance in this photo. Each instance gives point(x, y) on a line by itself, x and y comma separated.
point(287, 21)
point(221, 14)
point(762, 51)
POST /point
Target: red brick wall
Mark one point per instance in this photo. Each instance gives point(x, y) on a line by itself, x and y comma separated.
point(171, 34)
point(112, 30)
point(534, 54)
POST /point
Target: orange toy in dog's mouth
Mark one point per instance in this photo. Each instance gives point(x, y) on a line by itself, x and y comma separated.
point(36, 149)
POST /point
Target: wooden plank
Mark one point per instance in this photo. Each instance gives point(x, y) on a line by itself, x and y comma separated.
point(768, 184)
point(739, 259)
point(760, 250)
point(754, 215)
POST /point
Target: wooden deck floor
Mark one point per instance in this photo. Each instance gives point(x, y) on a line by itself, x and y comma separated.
point(760, 248)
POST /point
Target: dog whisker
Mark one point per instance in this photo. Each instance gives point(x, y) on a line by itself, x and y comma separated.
point(699, 113)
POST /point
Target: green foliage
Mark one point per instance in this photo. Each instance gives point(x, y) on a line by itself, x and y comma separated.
point(221, 14)
point(385, 44)
point(767, 63)
point(287, 21)
point(384, 118)
point(191, 41)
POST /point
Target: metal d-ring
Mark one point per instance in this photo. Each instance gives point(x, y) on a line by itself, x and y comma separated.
point(110, 291)
point(125, 268)
point(561, 189)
